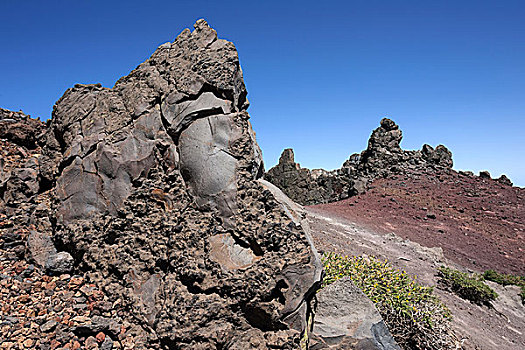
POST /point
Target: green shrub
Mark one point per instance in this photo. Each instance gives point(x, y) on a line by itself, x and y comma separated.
point(507, 279)
point(415, 316)
point(467, 287)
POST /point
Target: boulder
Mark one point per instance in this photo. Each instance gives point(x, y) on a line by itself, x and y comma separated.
point(504, 180)
point(347, 319)
point(383, 149)
point(156, 198)
point(59, 263)
point(440, 156)
point(484, 174)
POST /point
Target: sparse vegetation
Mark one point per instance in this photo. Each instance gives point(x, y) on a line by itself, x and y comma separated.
point(507, 279)
point(416, 318)
point(467, 287)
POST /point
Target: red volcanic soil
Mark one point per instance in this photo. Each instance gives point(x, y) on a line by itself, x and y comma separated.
point(479, 223)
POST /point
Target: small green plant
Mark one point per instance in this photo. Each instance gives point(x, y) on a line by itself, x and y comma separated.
point(416, 318)
point(507, 279)
point(467, 287)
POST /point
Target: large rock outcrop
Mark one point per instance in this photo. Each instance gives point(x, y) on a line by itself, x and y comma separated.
point(307, 186)
point(383, 157)
point(153, 190)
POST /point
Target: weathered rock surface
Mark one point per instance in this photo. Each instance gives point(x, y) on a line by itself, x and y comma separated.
point(504, 180)
point(307, 186)
point(20, 129)
point(151, 188)
point(382, 158)
point(347, 319)
point(484, 174)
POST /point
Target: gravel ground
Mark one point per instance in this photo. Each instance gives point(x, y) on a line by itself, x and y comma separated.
point(479, 223)
point(499, 327)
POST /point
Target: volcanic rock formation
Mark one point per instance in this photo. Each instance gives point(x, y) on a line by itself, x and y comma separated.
point(309, 186)
point(153, 188)
point(383, 157)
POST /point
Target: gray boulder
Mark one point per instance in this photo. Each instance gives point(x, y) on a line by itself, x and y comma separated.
point(347, 319)
point(59, 263)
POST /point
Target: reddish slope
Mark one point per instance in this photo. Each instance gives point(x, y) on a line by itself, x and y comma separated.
point(479, 223)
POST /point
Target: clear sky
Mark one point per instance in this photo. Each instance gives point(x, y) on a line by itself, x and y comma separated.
point(320, 74)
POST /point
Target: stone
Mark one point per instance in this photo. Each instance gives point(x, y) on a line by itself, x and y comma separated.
point(107, 344)
point(306, 186)
point(155, 191)
point(484, 174)
point(91, 326)
point(20, 129)
point(440, 156)
point(40, 247)
point(504, 180)
point(59, 263)
point(347, 319)
point(49, 326)
point(383, 157)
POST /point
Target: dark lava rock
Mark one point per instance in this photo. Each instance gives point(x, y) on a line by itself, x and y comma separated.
point(484, 174)
point(154, 190)
point(504, 180)
point(440, 156)
point(307, 186)
point(383, 149)
point(382, 158)
point(19, 128)
point(347, 319)
point(49, 326)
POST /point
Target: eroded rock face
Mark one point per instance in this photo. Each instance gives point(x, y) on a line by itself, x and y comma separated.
point(383, 148)
point(383, 157)
point(307, 186)
point(440, 156)
point(156, 199)
point(20, 129)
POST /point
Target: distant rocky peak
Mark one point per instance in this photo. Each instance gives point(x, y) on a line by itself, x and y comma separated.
point(287, 156)
point(387, 137)
point(388, 124)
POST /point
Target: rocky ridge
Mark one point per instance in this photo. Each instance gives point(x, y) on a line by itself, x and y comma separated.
point(382, 158)
point(151, 193)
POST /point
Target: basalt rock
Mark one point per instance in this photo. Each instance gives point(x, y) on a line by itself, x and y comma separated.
point(155, 195)
point(20, 129)
point(307, 186)
point(383, 149)
point(440, 156)
point(504, 180)
point(382, 158)
point(347, 319)
point(484, 174)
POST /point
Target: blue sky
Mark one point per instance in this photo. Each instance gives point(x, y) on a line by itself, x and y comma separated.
point(320, 74)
